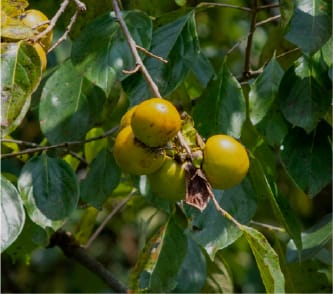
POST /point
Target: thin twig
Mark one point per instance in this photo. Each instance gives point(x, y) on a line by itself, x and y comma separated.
point(40, 148)
point(248, 50)
point(131, 71)
point(145, 51)
point(65, 35)
point(211, 4)
point(288, 52)
point(80, 5)
point(268, 6)
point(270, 19)
point(109, 217)
point(153, 87)
point(267, 226)
point(225, 213)
point(133, 47)
point(72, 250)
point(53, 21)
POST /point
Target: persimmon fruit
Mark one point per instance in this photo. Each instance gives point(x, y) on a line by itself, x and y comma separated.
point(225, 161)
point(133, 156)
point(155, 121)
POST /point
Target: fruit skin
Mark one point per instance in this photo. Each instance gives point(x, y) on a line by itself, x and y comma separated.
point(155, 121)
point(169, 182)
point(134, 157)
point(41, 54)
point(225, 161)
point(127, 118)
point(33, 18)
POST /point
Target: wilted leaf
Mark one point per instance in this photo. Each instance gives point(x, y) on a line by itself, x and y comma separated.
point(69, 106)
point(49, 190)
point(12, 214)
point(20, 76)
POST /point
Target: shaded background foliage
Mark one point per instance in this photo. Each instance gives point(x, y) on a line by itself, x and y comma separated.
point(295, 113)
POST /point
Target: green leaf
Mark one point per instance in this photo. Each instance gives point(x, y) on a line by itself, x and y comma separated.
point(20, 76)
point(308, 277)
point(214, 232)
point(165, 272)
point(303, 98)
point(159, 263)
point(91, 149)
point(221, 108)
point(49, 190)
point(101, 52)
point(103, 177)
point(311, 25)
point(264, 90)
point(177, 42)
point(31, 238)
point(70, 105)
point(192, 274)
point(307, 158)
point(218, 277)
point(267, 260)
point(12, 214)
point(313, 239)
point(279, 203)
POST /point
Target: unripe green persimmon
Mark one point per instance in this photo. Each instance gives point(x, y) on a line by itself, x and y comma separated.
point(133, 156)
point(225, 161)
point(168, 182)
point(155, 121)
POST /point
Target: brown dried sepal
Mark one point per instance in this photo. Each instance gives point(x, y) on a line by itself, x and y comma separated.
point(198, 189)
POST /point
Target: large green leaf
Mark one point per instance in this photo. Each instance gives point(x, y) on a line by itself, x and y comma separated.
point(177, 42)
point(313, 239)
point(101, 52)
point(91, 149)
point(221, 108)
point(69, 106)
point(49, 190)
point(159, 263)
point(279, 203)
point(192, 274)
point(214, 232)
point(308, 158)
point(218, 277)
point(304, 94)
point(103, 177)
point(20, 76)
point(267, 260)
point(264, 90)
point(311, 25)
point(12, 214)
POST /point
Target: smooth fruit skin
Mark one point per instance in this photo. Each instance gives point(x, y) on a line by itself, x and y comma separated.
point(32, 18)
point(127, 118)
point(134, 157)
point(41, 54)
point(225, 161)
point(168, 182)
point(155, 121)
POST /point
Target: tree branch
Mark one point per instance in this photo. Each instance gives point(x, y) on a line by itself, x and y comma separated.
point(71, 249)
point(39, 148)
point(131, 43)
point(248, 50)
